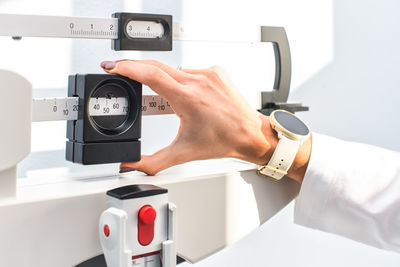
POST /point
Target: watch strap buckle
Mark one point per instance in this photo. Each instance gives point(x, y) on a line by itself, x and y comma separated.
point(273, 170)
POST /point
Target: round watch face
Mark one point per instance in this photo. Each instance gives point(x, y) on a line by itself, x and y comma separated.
point(291, 123)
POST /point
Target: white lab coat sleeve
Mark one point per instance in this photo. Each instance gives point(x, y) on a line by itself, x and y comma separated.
point(352, 190)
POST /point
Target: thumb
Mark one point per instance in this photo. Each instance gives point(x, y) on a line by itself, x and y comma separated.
point(151, 165)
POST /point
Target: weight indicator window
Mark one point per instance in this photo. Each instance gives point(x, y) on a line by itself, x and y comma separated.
point(106, 106)
point(109, 107)
point(144, 29)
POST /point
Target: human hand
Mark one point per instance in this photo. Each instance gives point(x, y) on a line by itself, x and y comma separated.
point(215, 120)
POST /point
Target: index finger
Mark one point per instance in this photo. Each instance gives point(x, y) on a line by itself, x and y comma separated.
point(154, 77)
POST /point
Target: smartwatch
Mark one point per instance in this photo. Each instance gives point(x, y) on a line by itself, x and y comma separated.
point(292, 132)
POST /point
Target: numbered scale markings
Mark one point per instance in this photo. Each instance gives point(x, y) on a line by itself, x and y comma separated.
point(53, 109)
point(144, 29)
point(155, 105)
point(102, 106)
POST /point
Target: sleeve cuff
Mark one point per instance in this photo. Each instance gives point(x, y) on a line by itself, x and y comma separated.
point(317, 183)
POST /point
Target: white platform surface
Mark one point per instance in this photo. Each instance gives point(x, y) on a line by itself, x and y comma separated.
point(73, 179)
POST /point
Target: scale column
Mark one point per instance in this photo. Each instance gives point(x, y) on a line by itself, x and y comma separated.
point(15, 137)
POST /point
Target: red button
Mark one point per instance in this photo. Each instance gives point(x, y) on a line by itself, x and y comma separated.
point(146, 217)
point(106, 230)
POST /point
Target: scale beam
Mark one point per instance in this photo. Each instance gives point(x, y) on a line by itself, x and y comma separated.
point(58, 26)
point(121, 27)
point(66, 108)
point(128, 31)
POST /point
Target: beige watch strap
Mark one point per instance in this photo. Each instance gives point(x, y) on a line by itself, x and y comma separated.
point(283, 157)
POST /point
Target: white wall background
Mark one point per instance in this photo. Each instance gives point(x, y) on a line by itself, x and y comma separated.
point(345, 56)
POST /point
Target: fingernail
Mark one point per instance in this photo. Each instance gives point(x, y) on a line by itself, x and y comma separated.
point(126, 169)
point(108, 65)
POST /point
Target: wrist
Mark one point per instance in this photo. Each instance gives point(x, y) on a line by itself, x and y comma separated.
point(299, 166)
point(300, 163)
point(260, 142)
point(271, 136)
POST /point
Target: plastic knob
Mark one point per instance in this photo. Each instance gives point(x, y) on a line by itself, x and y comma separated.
point(147, 216)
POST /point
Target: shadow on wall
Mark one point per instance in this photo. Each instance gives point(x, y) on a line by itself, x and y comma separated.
point(357, 96)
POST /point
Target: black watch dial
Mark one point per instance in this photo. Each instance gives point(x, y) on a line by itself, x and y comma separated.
point(291, 123)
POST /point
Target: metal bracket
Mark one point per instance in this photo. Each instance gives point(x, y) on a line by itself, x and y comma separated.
point(276, 99)
point(291, 107)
